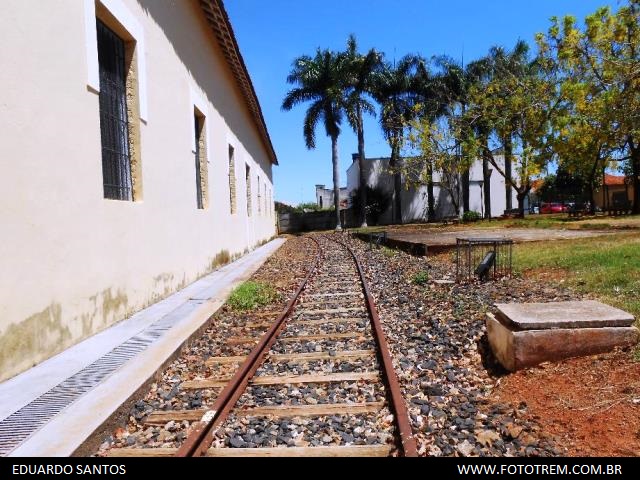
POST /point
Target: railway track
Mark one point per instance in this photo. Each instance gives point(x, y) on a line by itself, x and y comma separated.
point(318, 382)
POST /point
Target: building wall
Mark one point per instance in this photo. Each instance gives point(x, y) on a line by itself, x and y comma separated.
point(414, 200)
point(74, 263)
point(324, 196)
point(604, 198)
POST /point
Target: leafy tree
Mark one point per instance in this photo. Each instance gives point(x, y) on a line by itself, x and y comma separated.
point(378, 201)
point(437, 157)
point(361, 70)
point(308, 207)
point(454, 83)
point(600, 66)
point(396, 92)
point(322, 81)
point(518, 104)
point(284, 208)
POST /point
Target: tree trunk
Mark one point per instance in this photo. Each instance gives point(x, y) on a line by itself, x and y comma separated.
point(431, 203)
point(592, 184)
point(465, 191)
point(361, 166)
point(336, 180)
point(521, 196)
point(635, 171)
point(394, 162)
point(486, 178)
point(508, 157)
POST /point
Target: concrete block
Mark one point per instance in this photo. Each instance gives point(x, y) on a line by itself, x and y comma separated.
point(576, 314)
point(516, 350)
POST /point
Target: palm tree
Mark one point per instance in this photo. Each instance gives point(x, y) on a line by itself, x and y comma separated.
point(455, 82)
point(321, 80)
point(396, 92)
point(361, 72)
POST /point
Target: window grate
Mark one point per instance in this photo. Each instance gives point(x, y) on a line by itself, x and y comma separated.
point(198, 130)
point(248, 181)
point(114, 122)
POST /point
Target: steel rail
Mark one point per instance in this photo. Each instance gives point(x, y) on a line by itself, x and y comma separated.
point(201, 438)
point(390, 378)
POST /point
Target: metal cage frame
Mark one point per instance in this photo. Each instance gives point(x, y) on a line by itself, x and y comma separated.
point(470, 253)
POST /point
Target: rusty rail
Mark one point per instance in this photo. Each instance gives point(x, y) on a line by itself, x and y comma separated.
point(200, 439)
point(389, 374)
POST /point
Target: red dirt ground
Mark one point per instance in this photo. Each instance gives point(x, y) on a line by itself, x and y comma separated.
point(591, 404)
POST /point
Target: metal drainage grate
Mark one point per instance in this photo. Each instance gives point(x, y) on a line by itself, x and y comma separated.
point(22, 424)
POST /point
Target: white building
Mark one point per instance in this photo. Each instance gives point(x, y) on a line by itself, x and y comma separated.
point(134, 159)
point(414, 200)
point(324, 197)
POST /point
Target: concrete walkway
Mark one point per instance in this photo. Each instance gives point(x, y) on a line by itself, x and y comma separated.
point(97, 375)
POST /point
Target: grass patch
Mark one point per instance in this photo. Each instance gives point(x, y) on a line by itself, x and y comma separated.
point(421, 278)
point(251, 295)
point(389, 252)
point(607, 267)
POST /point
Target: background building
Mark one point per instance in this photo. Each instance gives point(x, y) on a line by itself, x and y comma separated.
point(324, 197)
point(414, 200)
point(134, 159)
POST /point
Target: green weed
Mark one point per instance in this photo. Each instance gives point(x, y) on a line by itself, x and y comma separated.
point(251, 295)
point(421, 278)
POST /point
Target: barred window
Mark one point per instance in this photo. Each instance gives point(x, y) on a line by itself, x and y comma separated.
point(232, 181)
point(114, 118)
point(199, 158)
point(259, 196)
point(248, 180)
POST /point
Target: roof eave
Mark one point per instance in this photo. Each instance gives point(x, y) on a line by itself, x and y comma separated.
point(218, 19)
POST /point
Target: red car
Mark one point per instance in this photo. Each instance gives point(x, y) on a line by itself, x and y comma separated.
point(554, 208)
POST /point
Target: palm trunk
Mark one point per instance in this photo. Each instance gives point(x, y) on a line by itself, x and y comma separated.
point(465, 190)
point(361, 166)
point(336, 180)
point(394, 163)
point(508, 156)
point(486, 178)
point(431, 203)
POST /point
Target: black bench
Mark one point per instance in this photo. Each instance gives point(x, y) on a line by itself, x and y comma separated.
point(377, 239)
point(576, 212)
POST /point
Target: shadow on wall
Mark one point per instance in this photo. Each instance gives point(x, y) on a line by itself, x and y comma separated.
point(177, 24)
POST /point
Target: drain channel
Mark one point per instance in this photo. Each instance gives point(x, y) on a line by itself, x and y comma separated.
point(22, 424)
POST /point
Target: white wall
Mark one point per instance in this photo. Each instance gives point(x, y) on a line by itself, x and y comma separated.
point(414, 200)
point(74, 263)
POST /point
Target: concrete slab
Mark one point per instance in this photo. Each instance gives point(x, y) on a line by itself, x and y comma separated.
point(516, 350)
point(184, 312)
point(434, 240)
point(580, 314)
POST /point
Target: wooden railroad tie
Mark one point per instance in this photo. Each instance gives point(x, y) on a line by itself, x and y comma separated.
point(326, 336)
point(284, 380)
point(302, 357)
point(160, 418)
point(338, 451)
point(330, 320)
point(331, 311)
point(329, 378)
point(353, 293)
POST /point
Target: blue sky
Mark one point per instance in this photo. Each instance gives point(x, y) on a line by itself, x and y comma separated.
point(273, 33)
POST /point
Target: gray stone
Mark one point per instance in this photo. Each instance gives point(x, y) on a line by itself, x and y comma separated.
point(516, 350)
point(542, 316)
